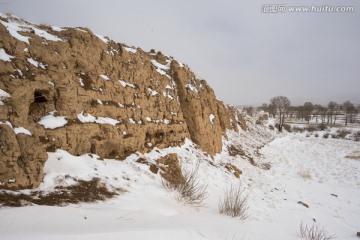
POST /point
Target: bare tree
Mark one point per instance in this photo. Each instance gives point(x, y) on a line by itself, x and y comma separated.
point(350, 111)
point(324, 113)
point(249, 110)
point(282, 105)
point(356, 111)
point(333, 108)
point(317, 109)
point(308, 109)
point(291, 113)
point(272, 109)
point(263, 107)
point(320, 111)
point(296, 111)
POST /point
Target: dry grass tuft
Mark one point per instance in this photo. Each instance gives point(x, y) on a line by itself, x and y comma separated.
point(234, 237)
point(188, 187)
point(314, 232)
point(234, 203)
point(305, 174)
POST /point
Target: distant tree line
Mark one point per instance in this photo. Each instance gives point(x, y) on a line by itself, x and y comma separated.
point(280, 107)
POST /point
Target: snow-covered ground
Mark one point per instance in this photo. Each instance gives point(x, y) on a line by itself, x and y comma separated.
point(322, 173)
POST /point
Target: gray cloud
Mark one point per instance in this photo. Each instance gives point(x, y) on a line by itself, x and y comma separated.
point(245, 55)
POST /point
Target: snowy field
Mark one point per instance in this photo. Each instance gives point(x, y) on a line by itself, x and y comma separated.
point(322, 173)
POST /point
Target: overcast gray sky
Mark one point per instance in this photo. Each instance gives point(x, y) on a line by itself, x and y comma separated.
point(247, 56)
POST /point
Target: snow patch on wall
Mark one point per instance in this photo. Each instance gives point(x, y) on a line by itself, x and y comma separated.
point(130, 50)
point(152, 92)
point(102, 38)
point(126, 84)
point(51, 121)
point(106, 78)
point(212, 118)
point(14, 27)
point(161, 68)
point(191, 87)
point(36, 63)
point(7, 123)
point(3, 95)
point(100, 120)
point(131, 120)
point(4, 56)
point(81, 82)
point(22, 130)
point(57, 29)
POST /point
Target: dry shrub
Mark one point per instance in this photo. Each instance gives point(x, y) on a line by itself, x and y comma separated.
point(341, 133)
point(271, 127)
point(188, 187)
point(314, 232)
point(266, 166)
point(305, 174)
point(44, 26)
point(326, 135)
point(334, 135)
point(298, 129)
point(234, 237)
point(287, 127)
point(357, 136)
point(322, 127)
point(234, 203)
point(316, 135)
point(311, 128)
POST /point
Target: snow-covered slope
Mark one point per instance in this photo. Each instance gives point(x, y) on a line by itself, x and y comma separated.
point(322, 173)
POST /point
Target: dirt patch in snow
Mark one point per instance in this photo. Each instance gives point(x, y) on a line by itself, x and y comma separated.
point(235, 150)
point(355, 155)
point(233, 169)
point(82, 192)
point(304, 204)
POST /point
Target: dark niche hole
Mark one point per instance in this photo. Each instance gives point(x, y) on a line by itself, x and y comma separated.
point(39, 97)
point(21, 162)
point(40, 104)
point(159, 137)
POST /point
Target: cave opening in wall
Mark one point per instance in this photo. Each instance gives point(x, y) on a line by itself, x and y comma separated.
point(39, 106)
point(39, 97)
point(159, 137)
